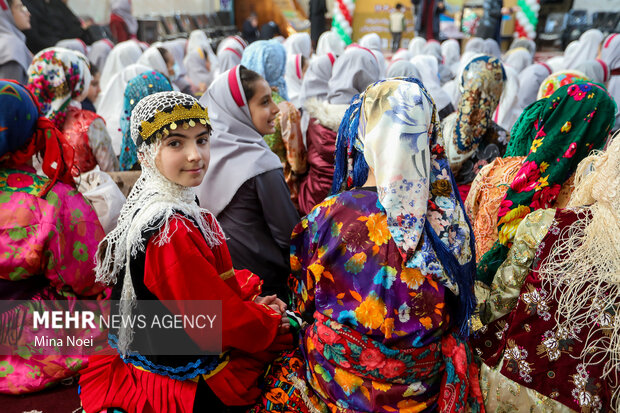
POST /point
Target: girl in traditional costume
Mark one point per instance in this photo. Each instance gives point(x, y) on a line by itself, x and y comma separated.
point(166, 247)
point(383, 272)
point(552, 341)
point(49, 234)
point(553, 135)
point(60, 79)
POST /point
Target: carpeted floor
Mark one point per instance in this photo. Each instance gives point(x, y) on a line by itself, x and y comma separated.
point(60, 399)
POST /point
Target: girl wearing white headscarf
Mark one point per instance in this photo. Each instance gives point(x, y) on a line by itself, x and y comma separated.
point(491, 48)
point(122, 23)
point(587, 48)
point(110, 102)
point(244, 186)
point(518, 59)
point(298, 43)
point(229, 56)
point(296, 65)
point(530, 80)
point(416, 45)
point(429, 70)
point(595, 70)
point(121, 56)
point(403, 68)
point(372, 41)
point(330, 42)
point(14, 54)
point(99, 52)
point(198, 39)
point(352, 73)
point(77, 45)
point(200, 70)
point(433, 48)
point(610, 54)
point(475, 45)
point(177, 49)
point(451, 52)
point(315, 86)
point(401, 54)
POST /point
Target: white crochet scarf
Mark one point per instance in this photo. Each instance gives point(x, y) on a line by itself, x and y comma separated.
point(150, 205)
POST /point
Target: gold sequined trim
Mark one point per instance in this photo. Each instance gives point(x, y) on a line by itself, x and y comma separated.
point(178, 114)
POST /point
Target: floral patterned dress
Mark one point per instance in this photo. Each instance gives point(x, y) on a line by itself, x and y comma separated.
point(47, 247)
point(380, 337)
point(531, 365)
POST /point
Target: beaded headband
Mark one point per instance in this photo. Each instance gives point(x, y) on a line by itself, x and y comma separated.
point(163, 123)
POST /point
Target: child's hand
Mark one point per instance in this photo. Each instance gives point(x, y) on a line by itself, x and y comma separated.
point(272, 301)
point(285, 325)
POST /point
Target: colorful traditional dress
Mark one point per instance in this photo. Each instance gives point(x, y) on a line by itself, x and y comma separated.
point(48, 238)
point(380, 303)
point(528, 361)
point(555, 134)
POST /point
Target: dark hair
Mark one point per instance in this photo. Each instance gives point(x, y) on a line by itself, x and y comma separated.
point(399, 6)
point(10, 3)
point(303, 62)
point(93, 69)
point(163, 51)
point(248, 77)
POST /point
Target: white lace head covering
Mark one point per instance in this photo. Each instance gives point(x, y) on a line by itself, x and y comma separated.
point(154, 199)
point(238, 151)
point(330, 42)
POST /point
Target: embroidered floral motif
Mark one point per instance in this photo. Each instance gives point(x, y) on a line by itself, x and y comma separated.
point(585, 393)
point(536, 301)
point(516, 361)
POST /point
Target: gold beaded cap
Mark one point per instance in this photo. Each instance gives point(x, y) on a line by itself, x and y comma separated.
point(157, 115)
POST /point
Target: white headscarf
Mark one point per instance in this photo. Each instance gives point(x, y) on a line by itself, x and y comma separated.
point(595, 70)
point(123, 55)
point(77, 45)
point(518, 59)
point(401, 54)
point(403, 68)
point(508, 111)
point(416, 45)
point(151, 204)
point(294, 76)
point(229, 53)
point(491, 48)
point(152, 58)
point(316, 80)
point(298, 43)
point(330, 42)
point(177, 48)
point(238, 151)
point(122, 8)
point(586, 48)
point(429, 70)
point(198, 39)
point(12, 41)
point(530, 80)
point(610, 54)
point(110, 102)
point(196, 67)
point(451, 52)
point(99, 52)
point(475, 45)
point(357, 68)
point(371, 41)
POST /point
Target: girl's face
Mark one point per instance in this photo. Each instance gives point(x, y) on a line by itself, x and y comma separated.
point(184, 155)
point(262, 108)
point(94, 89)
point(21, 15)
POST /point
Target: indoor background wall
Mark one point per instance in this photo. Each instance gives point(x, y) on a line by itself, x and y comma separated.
point(100, 10)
